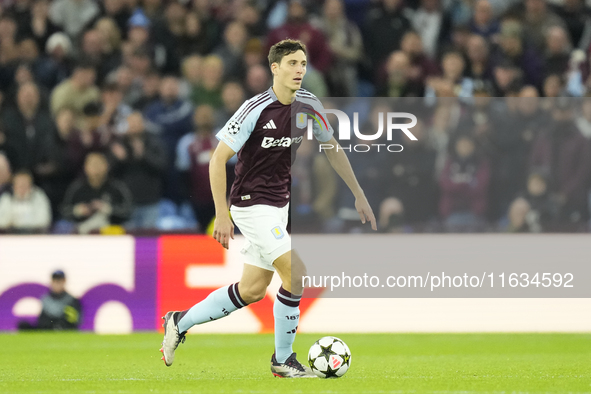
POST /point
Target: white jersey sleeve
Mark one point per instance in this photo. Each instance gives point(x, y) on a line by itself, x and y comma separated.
point(322, 132)
point(241, 125)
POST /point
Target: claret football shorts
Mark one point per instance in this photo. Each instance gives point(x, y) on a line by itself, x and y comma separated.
point(265, 230)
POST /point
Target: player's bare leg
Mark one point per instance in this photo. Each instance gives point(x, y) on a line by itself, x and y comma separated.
point(286, 310)
point(220, 303)
point(253, 283)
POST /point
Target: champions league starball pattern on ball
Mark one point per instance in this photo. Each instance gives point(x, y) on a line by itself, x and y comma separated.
point(329, 357)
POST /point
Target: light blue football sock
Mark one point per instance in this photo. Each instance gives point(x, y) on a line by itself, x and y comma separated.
point(286, 311)
point(219, 303)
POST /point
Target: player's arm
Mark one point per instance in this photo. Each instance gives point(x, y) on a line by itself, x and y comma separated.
point(339, 161)
point(223, 228)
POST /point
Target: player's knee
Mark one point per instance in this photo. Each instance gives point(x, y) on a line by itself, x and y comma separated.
point(253, 294)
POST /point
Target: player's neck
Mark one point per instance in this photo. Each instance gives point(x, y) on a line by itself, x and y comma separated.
point(284, 94)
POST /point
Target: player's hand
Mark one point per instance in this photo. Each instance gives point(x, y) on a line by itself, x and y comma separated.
point(365, 212)
point(223, 230)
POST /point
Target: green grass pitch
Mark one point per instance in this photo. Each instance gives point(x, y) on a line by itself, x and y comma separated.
point(384, 363)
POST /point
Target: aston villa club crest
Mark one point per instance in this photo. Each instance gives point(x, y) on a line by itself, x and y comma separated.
point(301, 120)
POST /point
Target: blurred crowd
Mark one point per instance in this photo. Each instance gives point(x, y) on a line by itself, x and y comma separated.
point(108, 109)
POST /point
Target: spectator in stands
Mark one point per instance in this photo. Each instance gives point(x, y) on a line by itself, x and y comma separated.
point(399, 82)
point(28, 127)
point(562, 151)
point(129, 85)
point(56, 66)
point(59, 310)
point(5, 173)
point(140, 64)
point(154, 9)
point(464, 184)
point(552, 87)
point(118, 11)
point(250, 15)
point(536, 210)
point(258, 79)
point(508, 79)
point(515, 51)
point(483, 22)
point(411, 188)
point(26, 207)
point(8, 150)
point(39, 27)
point(149, 92)
point(195, 38)
point(191, 70)
point(433, 24)
point(111, 40)
point(63, 158)
point(574, 13)
point(383, 29)
point(529, 120)
point(169, 117)
point(93, 51)
point(231, 50)
point(96, 201)
point(253, 53)
point(538, 18)
point(168, 31)
point(139, 162)
point(298, 27)
point(479, 65)
point(73, 143)
point(499, 141)
point(138, 32)
point(517, 216)
point(558, 49)
point(453, 66)
point(94, 133)
point(73, 15)
point(115, 111)
point(233, 96)
point(193, 156)
point(209, 23)
point(23, 74)
point(8, 37)
point(77, 91)
point(209, 88)
point(345, 42)
point(421, 66)
point(20, 11)
point(30, 61)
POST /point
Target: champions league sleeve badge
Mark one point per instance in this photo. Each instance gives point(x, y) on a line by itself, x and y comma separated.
point(301, 120)
point(233, 127)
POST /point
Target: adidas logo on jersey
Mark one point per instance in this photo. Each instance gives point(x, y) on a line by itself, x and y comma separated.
point(285, 142)
point(270, 125)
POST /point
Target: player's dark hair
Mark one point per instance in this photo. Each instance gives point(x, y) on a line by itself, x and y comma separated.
point(284, 48)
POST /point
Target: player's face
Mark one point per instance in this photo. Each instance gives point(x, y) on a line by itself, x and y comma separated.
point(291, 70)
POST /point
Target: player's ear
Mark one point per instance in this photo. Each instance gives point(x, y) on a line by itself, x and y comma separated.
point(274, 67)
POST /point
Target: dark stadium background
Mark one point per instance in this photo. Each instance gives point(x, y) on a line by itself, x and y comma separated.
point(72, 71)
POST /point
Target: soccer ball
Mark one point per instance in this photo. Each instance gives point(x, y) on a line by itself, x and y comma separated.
point(329, 357)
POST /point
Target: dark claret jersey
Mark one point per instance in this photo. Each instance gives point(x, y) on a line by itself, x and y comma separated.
point(266, 135)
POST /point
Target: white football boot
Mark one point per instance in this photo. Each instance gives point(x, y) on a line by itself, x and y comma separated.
point(291, 368)
point(172, 337)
